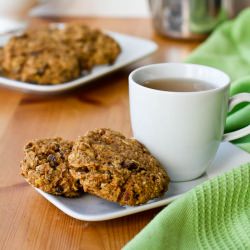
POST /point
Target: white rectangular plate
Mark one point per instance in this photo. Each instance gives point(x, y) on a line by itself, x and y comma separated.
point(133, 49)
point(92, 208)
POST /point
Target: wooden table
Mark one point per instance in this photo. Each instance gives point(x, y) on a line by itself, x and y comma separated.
point(27, 220)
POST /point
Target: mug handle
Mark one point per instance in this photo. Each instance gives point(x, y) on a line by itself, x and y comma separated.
point(233, 101)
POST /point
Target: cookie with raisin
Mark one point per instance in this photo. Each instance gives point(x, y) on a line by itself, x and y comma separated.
point(45, 166)
point(117, 168)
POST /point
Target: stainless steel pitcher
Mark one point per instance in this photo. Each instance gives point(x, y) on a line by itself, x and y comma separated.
point(192, 19)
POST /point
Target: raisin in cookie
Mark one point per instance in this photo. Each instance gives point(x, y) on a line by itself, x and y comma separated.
point(116, 168)
point(37, 57)
point(45, 166)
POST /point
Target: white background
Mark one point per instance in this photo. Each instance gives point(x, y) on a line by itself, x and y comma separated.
point(110, 8)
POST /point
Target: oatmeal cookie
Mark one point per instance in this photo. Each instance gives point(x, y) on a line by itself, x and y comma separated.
point(38, 58)
point(93, 47)
point(116, 168)
point(79, 38)
point(45, 166)
point(106, 49)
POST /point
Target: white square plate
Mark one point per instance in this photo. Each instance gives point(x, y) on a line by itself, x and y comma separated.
point(133, 49)
point(92, 208)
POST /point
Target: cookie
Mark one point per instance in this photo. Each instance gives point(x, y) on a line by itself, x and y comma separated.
point(106, 49)
point(45, 166)
point(93, 47)
point(40, 59)
point(116, 168)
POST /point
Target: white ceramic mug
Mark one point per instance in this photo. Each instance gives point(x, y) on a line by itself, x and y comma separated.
point(182, 130)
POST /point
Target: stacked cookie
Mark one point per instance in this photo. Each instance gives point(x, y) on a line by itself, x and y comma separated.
point(54, 56)
point(103, 162)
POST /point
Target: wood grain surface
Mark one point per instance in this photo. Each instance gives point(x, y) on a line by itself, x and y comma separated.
point(27, 220)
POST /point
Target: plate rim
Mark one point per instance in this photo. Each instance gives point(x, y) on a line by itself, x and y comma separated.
point(108, 216)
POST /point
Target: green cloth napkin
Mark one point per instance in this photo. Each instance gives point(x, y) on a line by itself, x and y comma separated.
point(214, 215)
point(228, 49)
